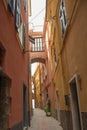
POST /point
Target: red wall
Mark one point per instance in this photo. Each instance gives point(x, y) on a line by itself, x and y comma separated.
point(15, 64)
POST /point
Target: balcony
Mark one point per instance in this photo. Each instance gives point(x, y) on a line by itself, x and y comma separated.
point(37, 49)
point(38, 46)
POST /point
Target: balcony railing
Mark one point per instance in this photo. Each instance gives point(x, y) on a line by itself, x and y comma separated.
point(38, 46)
point(37, 49)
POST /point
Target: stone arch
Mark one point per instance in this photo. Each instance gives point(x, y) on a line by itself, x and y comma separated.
point(38, 59)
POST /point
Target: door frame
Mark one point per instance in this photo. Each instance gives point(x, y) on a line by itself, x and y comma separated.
point(75, 79)
point(58, 105)
point(24, 105)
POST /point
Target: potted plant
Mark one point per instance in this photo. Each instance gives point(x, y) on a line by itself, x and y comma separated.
point(48, 108)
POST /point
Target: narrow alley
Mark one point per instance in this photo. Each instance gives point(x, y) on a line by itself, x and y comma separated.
point(43, 52)
point(41, 122)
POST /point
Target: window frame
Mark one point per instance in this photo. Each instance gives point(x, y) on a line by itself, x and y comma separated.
point(22, 35)
point(17, 15)
point(63, 17)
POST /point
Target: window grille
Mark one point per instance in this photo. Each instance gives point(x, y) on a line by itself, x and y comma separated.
point(38, 46)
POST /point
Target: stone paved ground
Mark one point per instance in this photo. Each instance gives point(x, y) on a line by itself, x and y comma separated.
point(41, 122)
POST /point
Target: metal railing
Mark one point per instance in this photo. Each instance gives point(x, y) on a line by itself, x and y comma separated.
point(37, 49)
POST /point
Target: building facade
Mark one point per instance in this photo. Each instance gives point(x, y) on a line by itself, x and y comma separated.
point(44, 89)
point(37, 87)
point(14, 82)
point(48, 82)
point(66, 21)
point(39, 52)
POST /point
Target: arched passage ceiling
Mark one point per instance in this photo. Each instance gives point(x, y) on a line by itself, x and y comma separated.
point(38, 59)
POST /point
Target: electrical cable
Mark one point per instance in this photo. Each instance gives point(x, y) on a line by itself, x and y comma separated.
point(37, 14)
point(41, 11)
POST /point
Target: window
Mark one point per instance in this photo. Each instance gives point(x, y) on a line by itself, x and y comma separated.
point(17, 14)
point(38, 46)
point(63, 19)
point(21, 34)
point(11, 6)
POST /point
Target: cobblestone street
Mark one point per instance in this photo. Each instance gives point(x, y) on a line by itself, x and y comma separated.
point(41, 122)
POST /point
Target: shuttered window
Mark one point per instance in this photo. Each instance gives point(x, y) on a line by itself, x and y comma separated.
point(63, 18)
point(21, 34)
point(11, 6)
point(17, 14)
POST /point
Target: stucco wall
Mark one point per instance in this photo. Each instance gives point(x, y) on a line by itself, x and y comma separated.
point(15, 64)
point(75, 49)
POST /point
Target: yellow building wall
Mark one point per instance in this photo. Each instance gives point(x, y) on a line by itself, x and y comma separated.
point(37, 85)
point(75, 49)
point(55, 42)
point(71, 52)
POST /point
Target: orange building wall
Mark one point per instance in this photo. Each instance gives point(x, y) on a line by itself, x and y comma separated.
point(16, 62)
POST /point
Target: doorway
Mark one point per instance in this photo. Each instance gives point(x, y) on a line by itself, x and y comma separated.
point(76, 118)
point(58, 105)
point(25, 114)
point(5, 101)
